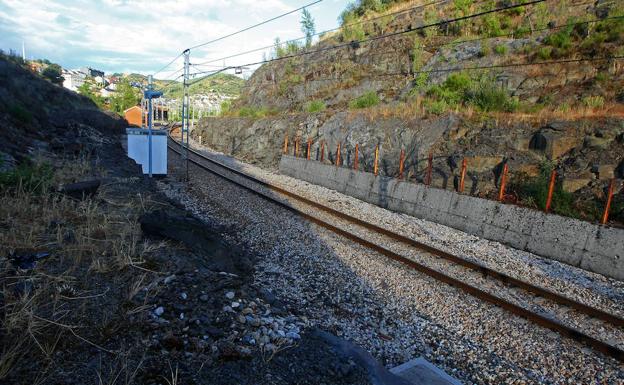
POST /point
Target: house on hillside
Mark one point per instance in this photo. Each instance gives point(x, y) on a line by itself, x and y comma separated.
point(92, 72)
point(73, 79)
point(134, 116)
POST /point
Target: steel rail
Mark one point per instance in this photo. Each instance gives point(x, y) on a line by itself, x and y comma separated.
point(539, 319)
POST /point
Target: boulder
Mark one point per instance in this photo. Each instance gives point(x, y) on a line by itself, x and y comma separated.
point(553, 143)
point(596, 143)
point(574, 184)
point(604, 171)
point(483, 163)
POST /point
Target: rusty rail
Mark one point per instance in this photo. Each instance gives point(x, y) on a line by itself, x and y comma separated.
point(539, 319)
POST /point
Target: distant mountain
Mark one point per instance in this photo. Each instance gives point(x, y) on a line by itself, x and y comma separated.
point(224, 84)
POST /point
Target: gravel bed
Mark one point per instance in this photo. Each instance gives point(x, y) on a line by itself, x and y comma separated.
point(395, 313)
point(598, 329)
point(583, 286)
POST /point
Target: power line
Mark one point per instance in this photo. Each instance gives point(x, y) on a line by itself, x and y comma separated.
point(327, 31)
point(457, 42)
point(356, 43)
point(168, 64)
point(255, 25)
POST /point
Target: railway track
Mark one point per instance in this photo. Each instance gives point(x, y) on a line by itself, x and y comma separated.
point(546, 321)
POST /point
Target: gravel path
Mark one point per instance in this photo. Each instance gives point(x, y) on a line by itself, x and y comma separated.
point(394, 312)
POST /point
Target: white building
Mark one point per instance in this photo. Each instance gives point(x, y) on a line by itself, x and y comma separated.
point(73, 79)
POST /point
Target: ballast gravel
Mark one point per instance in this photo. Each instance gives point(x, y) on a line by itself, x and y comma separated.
point(395, 313)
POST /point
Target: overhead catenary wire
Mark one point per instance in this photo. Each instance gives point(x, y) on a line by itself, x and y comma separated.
point(254, 26)
point(326, 31)
point(397, 33)
point(457, 42)
point(167, 65)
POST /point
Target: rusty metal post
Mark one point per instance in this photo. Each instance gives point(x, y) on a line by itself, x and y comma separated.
point(322, 150)
point(429, 169)
point(462, 176)
point(297, 148)
point(309, 144)
point(401, 163)
point(503, 182)
point(356, 162)
point(286, 144)
point(605, 215)
point(376, 166)
point(551, 190)
point(338, 155)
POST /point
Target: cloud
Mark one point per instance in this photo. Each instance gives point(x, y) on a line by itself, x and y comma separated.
point(138, 35)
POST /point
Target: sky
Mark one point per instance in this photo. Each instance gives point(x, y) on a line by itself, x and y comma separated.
point(144, 35)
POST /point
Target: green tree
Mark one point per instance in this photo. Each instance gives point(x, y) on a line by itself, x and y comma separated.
point(53, 73)
point(85, 89)
point(125, 97)
point(307, 26)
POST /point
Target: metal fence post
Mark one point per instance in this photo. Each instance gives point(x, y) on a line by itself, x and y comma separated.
point(503, 182)
point(551, 189)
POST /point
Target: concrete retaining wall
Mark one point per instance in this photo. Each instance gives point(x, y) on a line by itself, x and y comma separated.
point(589, 246)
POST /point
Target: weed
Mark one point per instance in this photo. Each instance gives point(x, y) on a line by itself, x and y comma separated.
point(254, 112)
point(545, 53)
point(315, 106)
point(369, 99)
point(435, 107)
point(593, 102)
point(501, 49)
point(417, 55)
point(533, 191)
point(491, 26)
point(28, 177)
point(485, 50)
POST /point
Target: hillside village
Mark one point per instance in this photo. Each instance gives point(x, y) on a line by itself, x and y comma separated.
point(106, 90)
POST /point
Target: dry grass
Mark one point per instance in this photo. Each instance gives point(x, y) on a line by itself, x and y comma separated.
point(52, 303)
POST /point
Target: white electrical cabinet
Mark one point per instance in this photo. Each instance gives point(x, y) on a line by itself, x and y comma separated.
point(138, 149)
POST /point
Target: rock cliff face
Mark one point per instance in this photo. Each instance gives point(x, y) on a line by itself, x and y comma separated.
point(567, 114)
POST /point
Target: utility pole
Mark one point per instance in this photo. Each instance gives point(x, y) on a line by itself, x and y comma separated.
point(149, 125)
point(185, 108)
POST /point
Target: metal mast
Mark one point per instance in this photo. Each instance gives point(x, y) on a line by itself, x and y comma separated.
point(185, 109)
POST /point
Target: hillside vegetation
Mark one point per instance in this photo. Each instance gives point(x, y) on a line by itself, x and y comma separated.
point(224, 84)
point(536, 86)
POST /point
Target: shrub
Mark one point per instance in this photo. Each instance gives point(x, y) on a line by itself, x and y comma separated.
point(534, 191)
point(484, 94)
point(30, 177)
point(594, 41)
point(435, 107)
point(487, 96)
point(254, 112)
point(485, 50)
point(453, 89)
point(501, 49)
point(369, 99)
point(315, 106)
point(225, 107)
point(593, 101)
point(492, 26)
point(544, 53)
point(417, 55)
point(522, 31)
